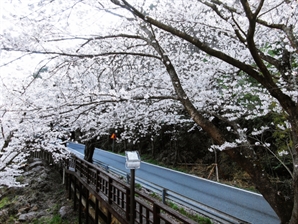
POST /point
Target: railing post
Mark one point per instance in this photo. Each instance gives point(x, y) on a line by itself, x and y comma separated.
point(156, 214)
point(87, 172)
point(87, 206)
point(110, 190)
point(164, 194)
point(127, 201)
point(140, 213)
point(74, 195)
point(97, 179)
point(74, 163)
point(109, 217)
point(63, 175)
point(81, 169)
point(80, 203)
point(132, 196)
point(69, 185)
point(96, 211)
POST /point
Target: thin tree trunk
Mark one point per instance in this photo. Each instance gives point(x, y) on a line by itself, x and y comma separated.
point(152, 147)
point(89, 151)
point(294, 218)
point(216, 166)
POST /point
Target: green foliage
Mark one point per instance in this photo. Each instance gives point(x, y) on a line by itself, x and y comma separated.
point(4, 201)
point(56, 219)
point(147, 158)
point(138, 186)
point(156, 196)
point(195, 217)
point(20, 179)
point(250, 99)
point(281, 136)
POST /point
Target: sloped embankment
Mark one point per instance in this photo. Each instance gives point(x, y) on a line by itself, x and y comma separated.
point(43, 200)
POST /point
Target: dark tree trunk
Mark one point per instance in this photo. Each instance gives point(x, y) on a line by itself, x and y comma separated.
point(284, 208)
point(294, 216)
point(89, 150)
point(244, 157)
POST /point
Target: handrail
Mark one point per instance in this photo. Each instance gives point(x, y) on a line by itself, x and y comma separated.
point(148, 209)
point(179, 199)
point(116, 191)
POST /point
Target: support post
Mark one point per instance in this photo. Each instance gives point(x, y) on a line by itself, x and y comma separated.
point(87, 207)
point(127, 213)
point(80, 203)
point(156, 213)
point(164, 194)
point(132, 196)
point(75, 194)
point(96, 211)
point(69, 185)
point(63, 176)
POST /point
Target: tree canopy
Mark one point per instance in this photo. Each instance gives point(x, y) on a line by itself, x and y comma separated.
point(229, 68)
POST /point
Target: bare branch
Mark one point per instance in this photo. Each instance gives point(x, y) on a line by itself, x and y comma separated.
point(195, 41)
point(82, 55)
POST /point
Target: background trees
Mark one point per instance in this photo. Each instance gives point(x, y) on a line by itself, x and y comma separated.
point(228, 67)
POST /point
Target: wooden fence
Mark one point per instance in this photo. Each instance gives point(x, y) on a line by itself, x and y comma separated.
point(105, 198)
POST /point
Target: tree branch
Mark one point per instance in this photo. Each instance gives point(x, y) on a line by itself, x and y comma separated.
point(82, 55)
point(264, 77)
point(195, 41)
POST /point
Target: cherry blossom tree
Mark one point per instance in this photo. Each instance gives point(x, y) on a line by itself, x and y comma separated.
point(227, 64)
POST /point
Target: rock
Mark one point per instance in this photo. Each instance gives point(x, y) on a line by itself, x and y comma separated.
point(63, 211)
point(43, 176)
point(46, 188)
point(28, 216)
point(12, 210)
point(3, 215)
point(24, 209)
point(34, 208)
point(28, 173)
point(41, 213)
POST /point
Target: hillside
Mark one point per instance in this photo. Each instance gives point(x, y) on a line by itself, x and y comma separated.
point(42, 200)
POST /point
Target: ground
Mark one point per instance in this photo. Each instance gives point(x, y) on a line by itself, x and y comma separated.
point(43, 199)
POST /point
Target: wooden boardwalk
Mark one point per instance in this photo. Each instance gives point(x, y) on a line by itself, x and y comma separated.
point(104, 198)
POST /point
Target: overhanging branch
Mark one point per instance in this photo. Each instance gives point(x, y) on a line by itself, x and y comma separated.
point(82, 55)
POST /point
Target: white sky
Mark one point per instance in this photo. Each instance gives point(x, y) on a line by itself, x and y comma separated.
point(79, 23)
point(84, 20)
